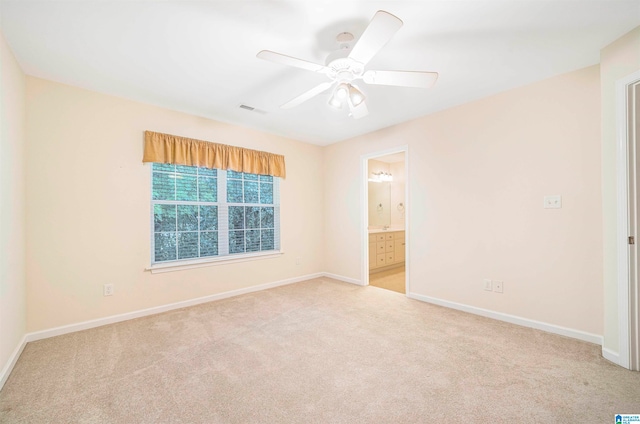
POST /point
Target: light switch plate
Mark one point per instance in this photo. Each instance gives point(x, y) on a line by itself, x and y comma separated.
point(553, 202)
point(487, 284)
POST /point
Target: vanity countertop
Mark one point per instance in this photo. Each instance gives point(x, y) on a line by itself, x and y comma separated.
point(388, 230)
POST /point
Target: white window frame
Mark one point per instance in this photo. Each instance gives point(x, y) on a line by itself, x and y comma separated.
point(223, 257)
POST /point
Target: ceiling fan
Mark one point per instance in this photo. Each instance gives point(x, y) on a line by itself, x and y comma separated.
point(347, 65)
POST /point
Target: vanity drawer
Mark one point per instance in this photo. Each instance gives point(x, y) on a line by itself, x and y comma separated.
point(380, 247)
point(381, 260)
point(379, 237)
point(390, 246)
point(389, 258)
point(388, 236)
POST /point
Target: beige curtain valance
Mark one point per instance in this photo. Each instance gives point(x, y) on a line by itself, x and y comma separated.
point(167, 148)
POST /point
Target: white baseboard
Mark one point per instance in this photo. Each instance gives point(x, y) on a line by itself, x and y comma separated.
point(341, 278)
point(610, 355)
point(85, 325)
point(71, 328)
point(52, 332)
point(525, 322)
point(4, 375)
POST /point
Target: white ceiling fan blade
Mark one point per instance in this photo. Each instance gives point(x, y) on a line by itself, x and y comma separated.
point(375, 36)
point(291, 61)
point(307, 95)
point(401, 78)
point(359, 111)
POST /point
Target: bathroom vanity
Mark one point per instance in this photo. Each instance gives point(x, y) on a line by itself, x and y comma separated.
point(386, 249)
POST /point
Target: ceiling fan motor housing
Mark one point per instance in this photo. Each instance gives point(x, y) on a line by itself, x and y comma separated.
point(342, 68)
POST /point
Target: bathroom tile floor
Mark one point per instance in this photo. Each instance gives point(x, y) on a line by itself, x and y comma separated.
point(393, 279)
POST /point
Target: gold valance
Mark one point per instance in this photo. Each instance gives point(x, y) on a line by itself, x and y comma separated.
point(167, 148)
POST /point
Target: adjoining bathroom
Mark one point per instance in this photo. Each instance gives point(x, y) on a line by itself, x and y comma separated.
point(386, 223)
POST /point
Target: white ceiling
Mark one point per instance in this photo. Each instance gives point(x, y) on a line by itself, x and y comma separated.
point(200, 56)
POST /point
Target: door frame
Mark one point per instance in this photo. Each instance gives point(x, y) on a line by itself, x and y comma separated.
point(627, 203)
point(364, 210)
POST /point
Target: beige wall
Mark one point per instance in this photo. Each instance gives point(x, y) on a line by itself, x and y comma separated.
point(477, 176)
point(397, 194)
point(617, 60)
point(12, 207)
point(89, 209)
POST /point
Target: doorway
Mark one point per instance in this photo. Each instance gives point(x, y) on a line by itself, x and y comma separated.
point(628, 111)
point(385, 216)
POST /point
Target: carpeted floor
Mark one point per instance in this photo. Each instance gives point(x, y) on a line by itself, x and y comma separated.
point(320, 351)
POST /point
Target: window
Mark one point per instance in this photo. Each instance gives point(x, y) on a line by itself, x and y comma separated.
point(202, 213)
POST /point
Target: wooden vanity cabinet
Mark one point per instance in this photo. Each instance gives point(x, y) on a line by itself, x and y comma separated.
point(386, 249)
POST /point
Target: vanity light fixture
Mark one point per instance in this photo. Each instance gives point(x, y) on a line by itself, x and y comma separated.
point(381, 177)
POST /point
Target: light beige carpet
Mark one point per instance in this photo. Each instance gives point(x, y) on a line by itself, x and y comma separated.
point(316, 352)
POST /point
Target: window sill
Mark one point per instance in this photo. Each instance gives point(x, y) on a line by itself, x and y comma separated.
point(199, 263)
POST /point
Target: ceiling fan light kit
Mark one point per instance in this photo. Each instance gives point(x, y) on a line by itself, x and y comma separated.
point(345, 93)
point(356, 96)
point(346, 65)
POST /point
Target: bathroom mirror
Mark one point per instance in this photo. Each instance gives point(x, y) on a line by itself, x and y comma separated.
point(379, 204)
point(386, 191)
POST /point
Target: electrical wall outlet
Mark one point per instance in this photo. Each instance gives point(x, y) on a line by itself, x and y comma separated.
point(487, 284)
point(298, 260)
point(107, 289)
point(553, 202)
point(498, 286)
